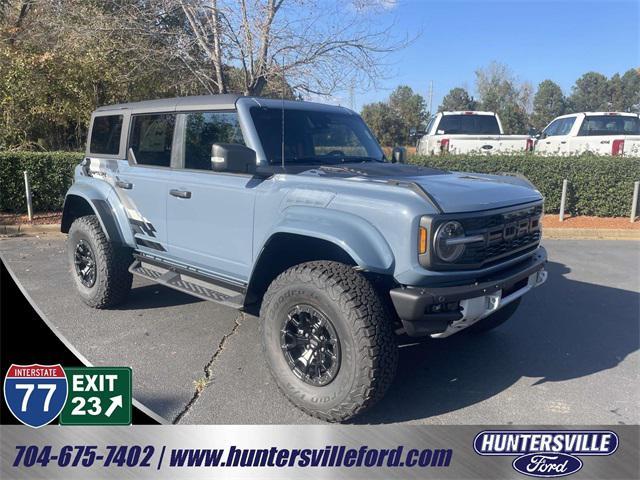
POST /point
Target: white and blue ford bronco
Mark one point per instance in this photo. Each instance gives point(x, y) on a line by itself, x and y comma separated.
point(291, 209)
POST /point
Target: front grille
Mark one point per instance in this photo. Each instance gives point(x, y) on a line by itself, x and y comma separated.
point(488, 222)
point(483, 253)
point(505, 234)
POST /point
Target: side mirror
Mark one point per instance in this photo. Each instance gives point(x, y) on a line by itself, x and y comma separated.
point(399, 155)
point(413, 133)
point(232, 157)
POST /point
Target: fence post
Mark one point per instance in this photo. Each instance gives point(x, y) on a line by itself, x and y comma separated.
point(563, 199)
point(634, 205)
point(28, 192)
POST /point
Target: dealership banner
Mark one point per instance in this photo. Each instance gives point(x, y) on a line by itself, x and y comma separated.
point(366, 452)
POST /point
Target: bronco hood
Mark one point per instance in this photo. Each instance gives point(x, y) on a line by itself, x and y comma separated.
point(453, 192)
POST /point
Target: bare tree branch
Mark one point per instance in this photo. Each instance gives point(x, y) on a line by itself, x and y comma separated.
point(243, 45)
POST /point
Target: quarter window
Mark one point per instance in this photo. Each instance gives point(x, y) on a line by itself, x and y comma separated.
point(105, 135)
point(203, 130)
point(151, 139)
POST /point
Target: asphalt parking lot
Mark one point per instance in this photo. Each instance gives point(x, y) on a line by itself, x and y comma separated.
point(569, 355)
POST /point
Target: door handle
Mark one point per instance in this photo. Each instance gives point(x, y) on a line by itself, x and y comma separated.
point(179, 193)
point(124, 185)
point(563, 142)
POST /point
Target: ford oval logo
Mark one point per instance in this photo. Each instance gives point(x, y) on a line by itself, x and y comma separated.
point(540, 464)
point(487, 147)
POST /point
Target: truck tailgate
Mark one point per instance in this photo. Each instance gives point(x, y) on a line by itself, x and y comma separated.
point(632, 146)
point(460, 144)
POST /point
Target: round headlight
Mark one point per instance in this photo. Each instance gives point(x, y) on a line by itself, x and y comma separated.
point(449, 251)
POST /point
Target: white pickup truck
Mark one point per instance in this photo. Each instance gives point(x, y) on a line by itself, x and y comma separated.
point(601, 133)
point(469, 132)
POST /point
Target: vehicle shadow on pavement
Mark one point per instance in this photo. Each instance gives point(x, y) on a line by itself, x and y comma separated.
point(564, 330)
point(155, 296)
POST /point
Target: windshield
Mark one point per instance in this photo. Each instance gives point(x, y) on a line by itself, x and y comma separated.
point(610, 125)
point(469, 125)
point(314, 137)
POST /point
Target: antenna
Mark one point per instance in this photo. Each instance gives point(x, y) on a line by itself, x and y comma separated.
point(352, 97)
point(282, 97)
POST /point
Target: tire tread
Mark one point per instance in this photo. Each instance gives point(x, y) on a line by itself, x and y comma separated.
point(376, 348)
point(112, 262)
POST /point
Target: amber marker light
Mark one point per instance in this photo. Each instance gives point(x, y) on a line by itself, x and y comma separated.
point(422, 240)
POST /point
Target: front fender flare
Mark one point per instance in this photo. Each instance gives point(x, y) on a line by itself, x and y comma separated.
point(356, 236)
point(104, 202)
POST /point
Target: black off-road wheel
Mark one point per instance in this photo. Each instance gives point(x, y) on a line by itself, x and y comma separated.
point(496, 319)
point(99, 268)
point(327, 337)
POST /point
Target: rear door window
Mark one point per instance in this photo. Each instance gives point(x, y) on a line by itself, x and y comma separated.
point(151, 139)
point(562, 126)
point(565, 125)
point(551, 130)
point(105, 135)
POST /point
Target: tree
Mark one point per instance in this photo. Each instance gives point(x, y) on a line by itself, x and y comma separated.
point(456, 100)
point(548, 103)
point(616, 93)
point(500, 93)
point(590, 93)
point(631, 91)
point(384, 122)
point(409, 107)
point(57, 66)
point(320, 46)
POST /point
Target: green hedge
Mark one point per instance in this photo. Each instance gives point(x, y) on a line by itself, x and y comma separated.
point(601, 186)
point(50, 175)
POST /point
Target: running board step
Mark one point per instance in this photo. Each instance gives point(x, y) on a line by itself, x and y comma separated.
point(201, 287)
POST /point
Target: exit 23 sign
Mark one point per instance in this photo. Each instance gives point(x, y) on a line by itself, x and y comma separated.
point(98, 396)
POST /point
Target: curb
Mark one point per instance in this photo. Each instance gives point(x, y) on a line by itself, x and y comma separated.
point(590, 234)
point(29, 230)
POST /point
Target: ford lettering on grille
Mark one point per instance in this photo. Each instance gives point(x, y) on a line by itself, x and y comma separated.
point(505, 234)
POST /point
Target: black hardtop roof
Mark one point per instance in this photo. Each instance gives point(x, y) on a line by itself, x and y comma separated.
point(218, 102)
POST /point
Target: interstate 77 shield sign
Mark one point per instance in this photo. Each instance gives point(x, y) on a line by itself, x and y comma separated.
point(35, 394)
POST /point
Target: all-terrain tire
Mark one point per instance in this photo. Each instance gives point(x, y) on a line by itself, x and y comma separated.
point(112, 278)
point(362, 324)
point(496, 319)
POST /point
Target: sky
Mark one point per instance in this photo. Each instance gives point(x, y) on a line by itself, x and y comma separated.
point(555, 39)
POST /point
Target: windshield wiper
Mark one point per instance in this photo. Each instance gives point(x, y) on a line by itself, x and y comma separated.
point(298, 161)
point(326, 160)
point(360, 159)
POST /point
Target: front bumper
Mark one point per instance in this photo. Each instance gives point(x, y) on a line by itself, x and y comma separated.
point(476, 301)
